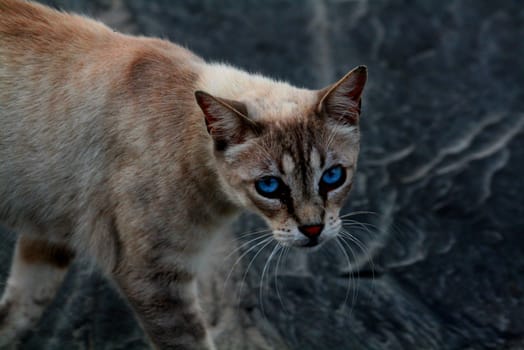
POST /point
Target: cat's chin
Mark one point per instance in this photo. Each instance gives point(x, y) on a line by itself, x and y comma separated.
point(305, 247)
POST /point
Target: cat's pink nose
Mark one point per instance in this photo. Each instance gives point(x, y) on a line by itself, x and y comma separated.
point(311, 230)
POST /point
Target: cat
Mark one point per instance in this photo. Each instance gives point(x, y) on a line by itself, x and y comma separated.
point(137, 154)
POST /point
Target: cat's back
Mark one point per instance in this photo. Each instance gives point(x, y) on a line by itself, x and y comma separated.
point(39, 44)
point(65, 71)
point(41, 51)
point(27, 27)
point(69, 87)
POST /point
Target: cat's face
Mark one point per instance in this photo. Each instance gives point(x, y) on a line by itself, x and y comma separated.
point(297, 170)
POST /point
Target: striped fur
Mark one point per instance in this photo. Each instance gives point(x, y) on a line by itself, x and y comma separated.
point(105, 154)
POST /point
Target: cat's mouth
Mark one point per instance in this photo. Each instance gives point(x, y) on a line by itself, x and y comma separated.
point(312, 242)
point(303, 243)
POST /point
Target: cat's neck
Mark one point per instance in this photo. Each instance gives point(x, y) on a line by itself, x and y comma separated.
point(207, 196)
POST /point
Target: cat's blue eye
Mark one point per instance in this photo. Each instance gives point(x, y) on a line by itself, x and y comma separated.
point(268, 186)
point(333, 178)
point(332, 175)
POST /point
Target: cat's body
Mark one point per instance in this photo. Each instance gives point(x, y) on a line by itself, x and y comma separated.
point(104, 152)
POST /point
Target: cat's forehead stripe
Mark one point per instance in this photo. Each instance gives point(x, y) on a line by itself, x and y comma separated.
point(303, 161)
point(315, 159)
point(288, 164)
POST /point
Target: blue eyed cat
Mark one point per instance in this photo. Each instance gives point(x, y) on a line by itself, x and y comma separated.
point(136, 153)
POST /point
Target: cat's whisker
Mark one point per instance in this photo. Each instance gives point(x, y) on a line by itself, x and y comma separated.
point(241, 241)
point(240, 258)
point(261, 285)
point(350, 278)
point(365, 226)
point(355, 240)
point(241, 246)
point(246, 234)
point(346, 220)
point(363, 248)
point(249, 266)
point(282, 252)
point(357, 279)
point(360, 212)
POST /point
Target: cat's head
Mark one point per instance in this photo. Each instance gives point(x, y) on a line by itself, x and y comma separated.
point(290, 158)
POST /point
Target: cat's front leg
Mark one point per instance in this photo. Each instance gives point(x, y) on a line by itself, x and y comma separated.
point(164, 299)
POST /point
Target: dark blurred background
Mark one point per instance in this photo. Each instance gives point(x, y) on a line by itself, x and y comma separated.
point(441, 259)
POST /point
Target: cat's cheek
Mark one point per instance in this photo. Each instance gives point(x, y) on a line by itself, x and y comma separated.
point(333, 223)
point(268, 209)
point(277, 220)
point(338, 197)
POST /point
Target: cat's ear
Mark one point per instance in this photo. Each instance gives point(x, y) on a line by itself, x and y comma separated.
point(226, 120)
point(341, 100)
